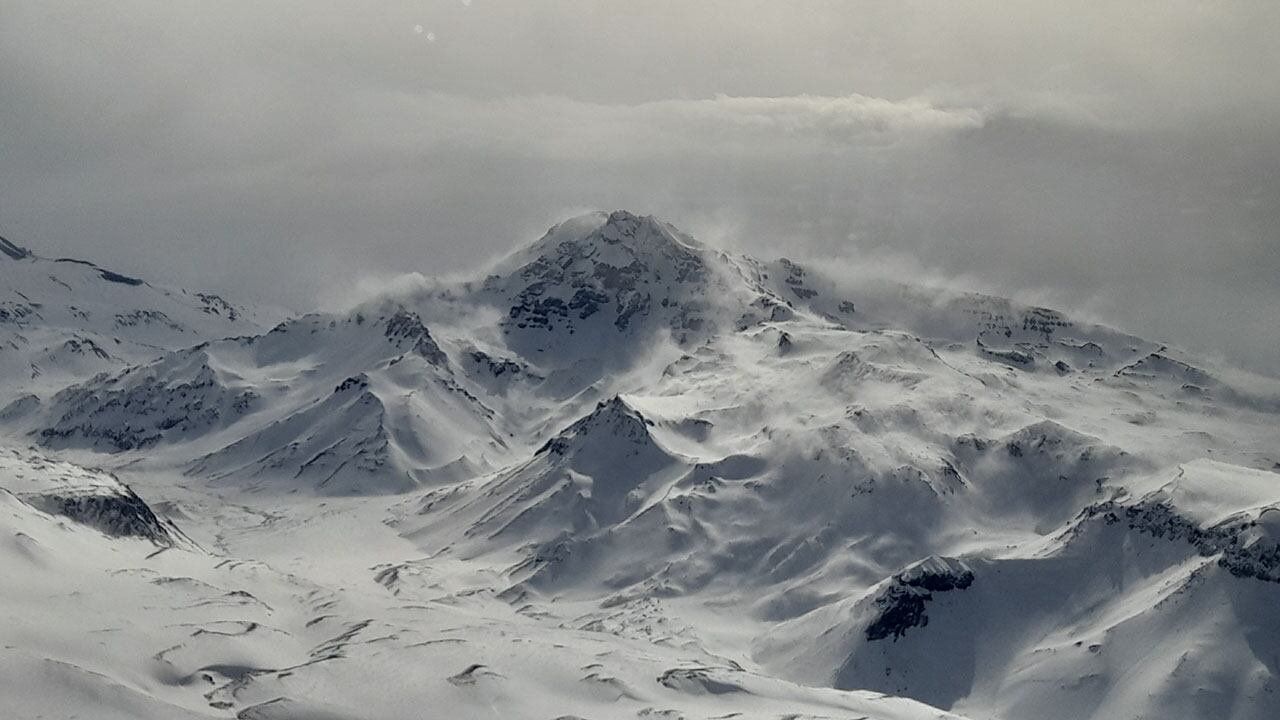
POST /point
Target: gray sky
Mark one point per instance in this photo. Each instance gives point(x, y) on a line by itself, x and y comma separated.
point(1120, 159)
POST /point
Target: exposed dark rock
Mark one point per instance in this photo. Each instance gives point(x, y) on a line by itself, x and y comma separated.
point(902, 604)
point(215, 305)
point(1259, 559)
point(1044, 321)
point(120, 514)
point(406, 327)
point(135, 318)
point(14, 251)
point(104, 274)
point(85, 346)
point(497, 367)
point(572, 282)
point(16, 312)
point(118, 278)
point(125, 412)
point(359, 381)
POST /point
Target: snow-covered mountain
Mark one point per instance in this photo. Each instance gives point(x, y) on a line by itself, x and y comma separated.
point(624, 474)
point(63, 319)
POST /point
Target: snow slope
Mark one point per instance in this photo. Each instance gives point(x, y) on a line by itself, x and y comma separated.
point(627, 475)
point(63, 319)
point(104, 626)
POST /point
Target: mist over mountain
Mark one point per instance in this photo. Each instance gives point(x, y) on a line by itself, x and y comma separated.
point(596, 360)
point(1117, 160)
point(626, 473)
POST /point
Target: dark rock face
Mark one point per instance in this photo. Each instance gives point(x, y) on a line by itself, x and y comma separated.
point(121, 514)
point(107, 275)
point(1016, 357)
point(13, 251)
point(612, 418)
point(1044, 321)
point(85, 346)
point(216, 305)
point(136, 318)
point(360, 381)
point(618, 269)
point(497, 367)
point(17, 312)
point(1259, 559)
point(795, 280)
point(125, 412)
point(1033, 322)
point(118, 278)
point(1156, 365)
point(902, 605)
point(406, 328)
point(701, 679)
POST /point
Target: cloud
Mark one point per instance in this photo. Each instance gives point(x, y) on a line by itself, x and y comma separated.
point(1119, 160)
point(850, 119)
point(397, 127)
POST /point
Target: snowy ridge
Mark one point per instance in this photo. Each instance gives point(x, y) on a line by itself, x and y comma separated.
point(65, 319)
point(348, 403)
point(595, 474)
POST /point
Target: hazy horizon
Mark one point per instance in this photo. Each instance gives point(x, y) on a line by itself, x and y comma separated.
point(1122, 162)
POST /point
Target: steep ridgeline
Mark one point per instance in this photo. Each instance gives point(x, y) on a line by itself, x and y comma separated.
point(358, 403)
point(1028, 338)
point(62, 320)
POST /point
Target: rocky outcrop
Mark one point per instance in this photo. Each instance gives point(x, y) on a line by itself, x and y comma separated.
point(901, 605)
point(118, 514)
point(87, 496)
point(177, 397)
point(15, 252)
point(1242, 545)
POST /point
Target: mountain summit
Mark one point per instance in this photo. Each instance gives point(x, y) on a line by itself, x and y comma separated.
point(600, 275)
point(617, 238)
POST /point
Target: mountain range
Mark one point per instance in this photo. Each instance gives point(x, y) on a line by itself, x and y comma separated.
point(625, 474)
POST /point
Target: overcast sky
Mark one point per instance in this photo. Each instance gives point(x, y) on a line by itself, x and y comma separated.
point(1118, 159)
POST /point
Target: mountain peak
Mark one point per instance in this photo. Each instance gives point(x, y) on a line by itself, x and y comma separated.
point(621, 226)
point(619, 239)
point(612, 418)
point(599, 270)
point(642, 232)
